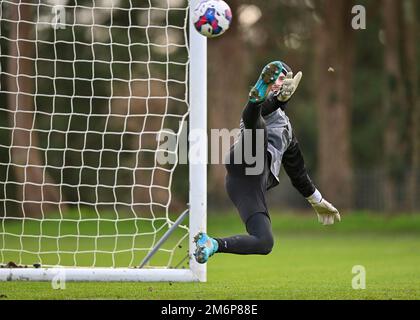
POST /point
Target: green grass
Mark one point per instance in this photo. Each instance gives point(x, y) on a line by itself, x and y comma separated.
point(308, 262)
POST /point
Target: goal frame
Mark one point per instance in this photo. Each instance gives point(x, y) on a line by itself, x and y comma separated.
point(197, 196)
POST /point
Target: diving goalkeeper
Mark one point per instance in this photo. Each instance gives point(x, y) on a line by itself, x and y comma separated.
point(264, 116)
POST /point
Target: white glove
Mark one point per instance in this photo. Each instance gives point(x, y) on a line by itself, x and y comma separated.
point(289, 86)
point(326, 212)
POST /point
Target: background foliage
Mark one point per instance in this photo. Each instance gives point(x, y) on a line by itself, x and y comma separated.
point(358, 125)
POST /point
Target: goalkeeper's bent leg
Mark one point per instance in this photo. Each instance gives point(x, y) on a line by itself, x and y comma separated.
point(260, 240)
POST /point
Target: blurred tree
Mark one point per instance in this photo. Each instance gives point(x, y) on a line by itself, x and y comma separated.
point(35, 188)
point(334, 59)
point(401, 104)
point(412, 84)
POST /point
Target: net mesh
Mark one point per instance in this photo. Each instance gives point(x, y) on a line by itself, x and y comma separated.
point(88, 89)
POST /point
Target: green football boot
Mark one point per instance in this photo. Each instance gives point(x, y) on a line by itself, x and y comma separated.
point(268, 77)
point(206, 247)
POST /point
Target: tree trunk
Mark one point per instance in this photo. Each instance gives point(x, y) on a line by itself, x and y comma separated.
point(227, 90)
point(36, 191)
point(412, 81)
point(334, 38)
point(396, 113)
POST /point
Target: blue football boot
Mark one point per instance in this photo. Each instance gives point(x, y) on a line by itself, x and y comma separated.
point(268, 77)
point(206, 247)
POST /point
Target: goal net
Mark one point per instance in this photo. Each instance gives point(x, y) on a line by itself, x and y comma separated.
point(90, 90)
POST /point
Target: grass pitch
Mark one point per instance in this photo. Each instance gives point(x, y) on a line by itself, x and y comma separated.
point(308, 262)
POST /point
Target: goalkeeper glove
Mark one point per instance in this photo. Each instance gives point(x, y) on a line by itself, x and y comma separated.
point(326, 212)
point(289, 86)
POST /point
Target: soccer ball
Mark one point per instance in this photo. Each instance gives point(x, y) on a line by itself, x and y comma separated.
point(212, 18)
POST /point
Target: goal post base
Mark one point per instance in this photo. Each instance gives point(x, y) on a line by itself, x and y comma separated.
point(98, 275)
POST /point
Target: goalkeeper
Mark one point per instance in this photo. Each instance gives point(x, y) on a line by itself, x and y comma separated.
point(264, 116)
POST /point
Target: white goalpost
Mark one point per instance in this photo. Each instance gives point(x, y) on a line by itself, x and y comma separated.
point(89, 89)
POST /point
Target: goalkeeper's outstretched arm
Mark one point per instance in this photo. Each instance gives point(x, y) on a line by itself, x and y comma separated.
point(295, 168)
point(294, 165)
